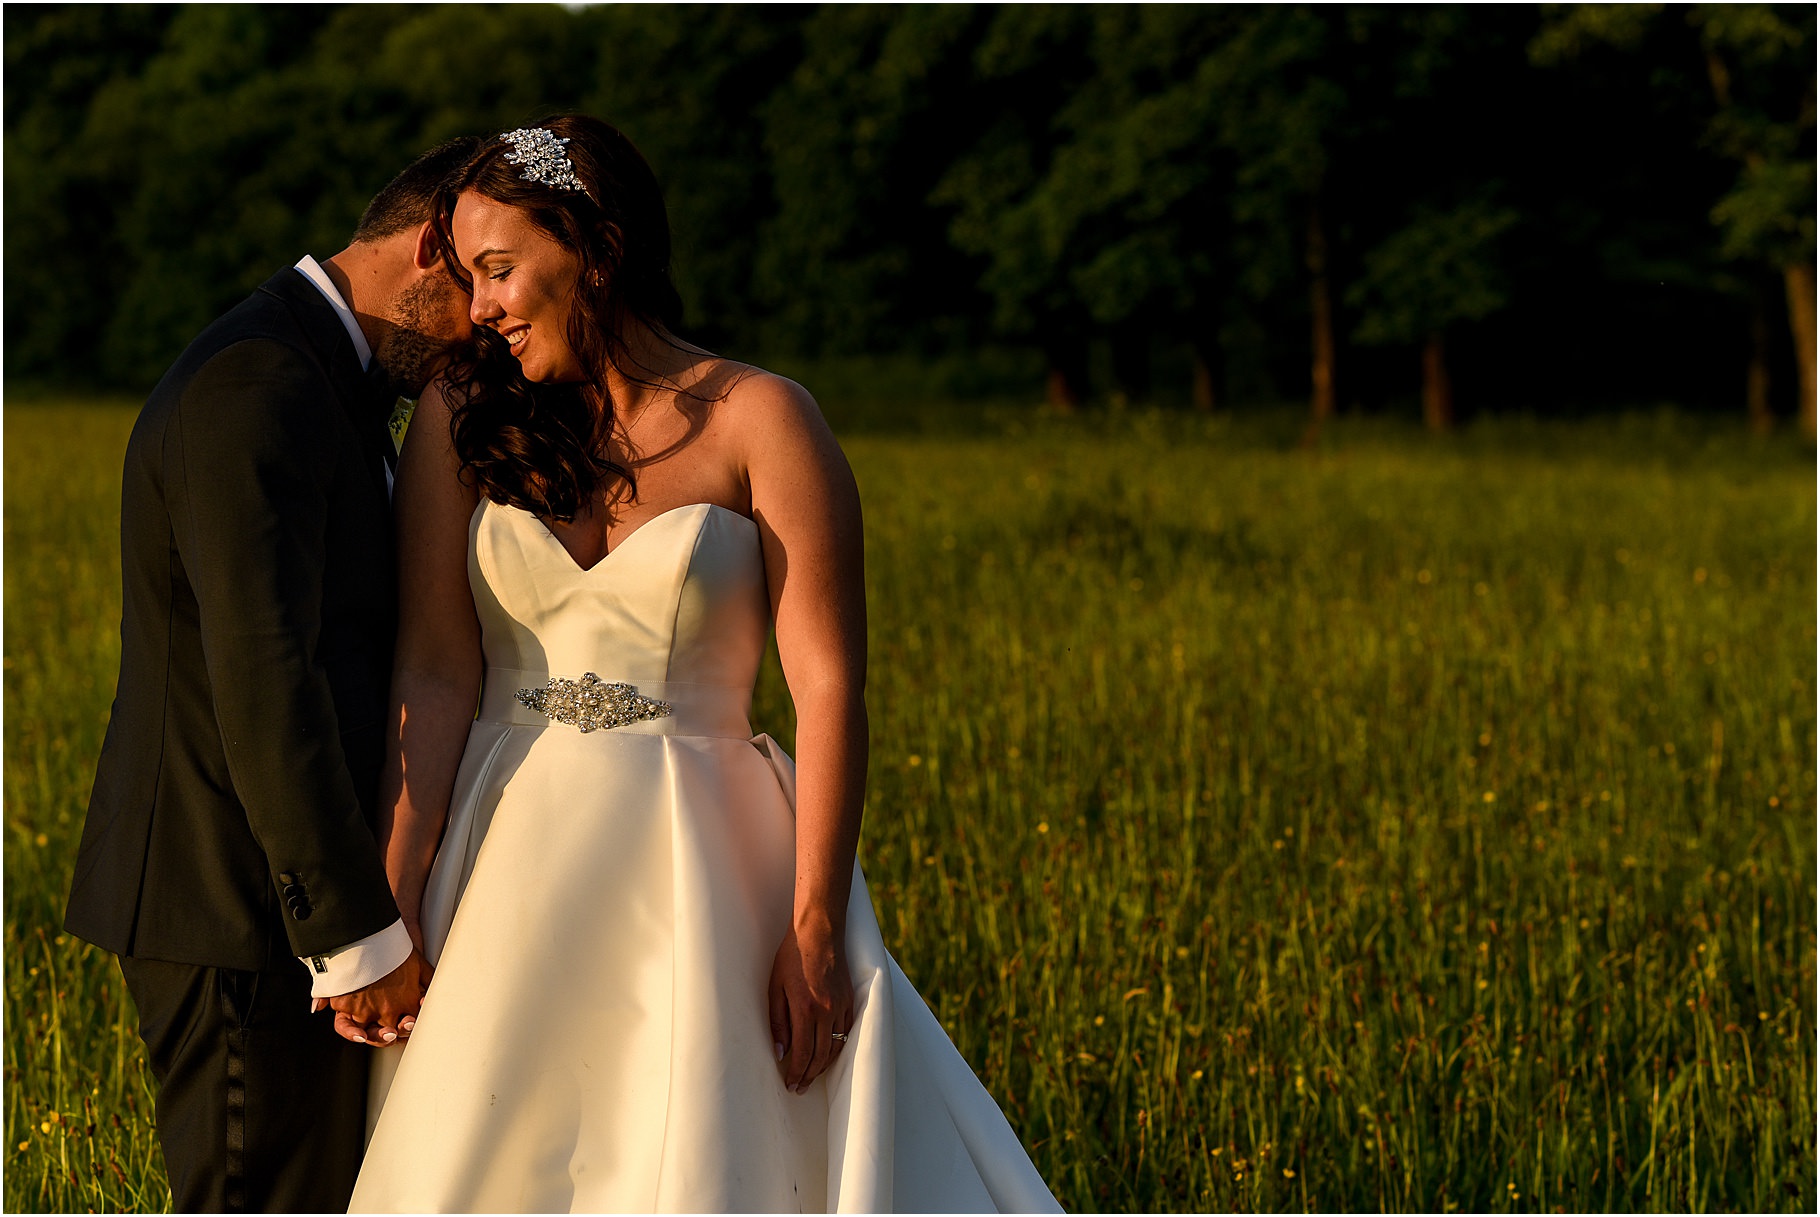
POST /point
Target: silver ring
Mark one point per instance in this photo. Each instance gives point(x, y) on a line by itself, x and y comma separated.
point(839, 1035)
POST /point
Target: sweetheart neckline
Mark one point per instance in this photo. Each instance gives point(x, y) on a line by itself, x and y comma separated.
point(569, 558)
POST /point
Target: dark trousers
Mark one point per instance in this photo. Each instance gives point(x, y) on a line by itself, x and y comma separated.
point(261, 1106)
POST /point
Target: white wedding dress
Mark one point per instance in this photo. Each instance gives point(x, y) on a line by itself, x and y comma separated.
point(603, 914)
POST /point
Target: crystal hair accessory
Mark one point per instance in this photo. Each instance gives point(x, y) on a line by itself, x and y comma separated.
point(540, 153)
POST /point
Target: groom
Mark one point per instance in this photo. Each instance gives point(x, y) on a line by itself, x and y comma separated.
point(230, 832)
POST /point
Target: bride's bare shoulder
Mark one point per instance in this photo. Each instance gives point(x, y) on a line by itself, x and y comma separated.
point(437, 401)
point(759, 402)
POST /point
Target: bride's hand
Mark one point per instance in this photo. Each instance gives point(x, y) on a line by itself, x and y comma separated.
point(811, 998)
point(414, 928)
point(425, 969)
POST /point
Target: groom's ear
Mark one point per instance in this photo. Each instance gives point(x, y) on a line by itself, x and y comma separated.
point(428, 254)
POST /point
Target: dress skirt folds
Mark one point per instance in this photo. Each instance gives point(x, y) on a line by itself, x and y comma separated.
point(610, 892)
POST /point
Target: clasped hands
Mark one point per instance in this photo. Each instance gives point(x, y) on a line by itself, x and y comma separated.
point(810, 998)
point(384, 1012)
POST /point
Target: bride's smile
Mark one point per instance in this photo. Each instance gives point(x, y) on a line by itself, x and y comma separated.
point(523, 284)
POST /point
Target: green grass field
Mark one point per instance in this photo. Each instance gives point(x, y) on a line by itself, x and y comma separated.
point(1406, 824)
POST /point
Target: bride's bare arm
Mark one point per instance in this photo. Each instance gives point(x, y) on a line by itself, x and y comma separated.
point(806, 505)
point(437, 668)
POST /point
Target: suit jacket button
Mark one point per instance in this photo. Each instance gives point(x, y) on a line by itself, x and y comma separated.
point(301, 911)
point(287, 878)
point(292, 891)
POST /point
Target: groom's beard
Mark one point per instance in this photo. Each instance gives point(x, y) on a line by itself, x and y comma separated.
point(411, 349)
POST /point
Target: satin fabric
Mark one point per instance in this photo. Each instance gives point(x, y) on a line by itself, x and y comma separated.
point(603, 914)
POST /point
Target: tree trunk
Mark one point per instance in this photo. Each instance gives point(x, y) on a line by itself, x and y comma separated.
point(1437, 387)
point(1320, 308)
point(1756, 376)
point(1209, 362)
point(1066, 383)
point(1800, 281)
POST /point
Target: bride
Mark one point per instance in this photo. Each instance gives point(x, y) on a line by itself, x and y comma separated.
point(659, 982)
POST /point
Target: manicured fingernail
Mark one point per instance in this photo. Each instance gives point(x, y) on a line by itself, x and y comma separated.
point(389, 1036)
point(360, 1039)
point(779, 1049)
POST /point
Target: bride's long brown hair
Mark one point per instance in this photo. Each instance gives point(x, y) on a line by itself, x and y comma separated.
point(542, 447)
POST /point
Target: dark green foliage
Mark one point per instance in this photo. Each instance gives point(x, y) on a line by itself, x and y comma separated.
point(66, 260)
point(856, 137)
point(1563, 189)
point(1440, 268)
point(1103, 197)
point(688, 86)
point(1749, 69)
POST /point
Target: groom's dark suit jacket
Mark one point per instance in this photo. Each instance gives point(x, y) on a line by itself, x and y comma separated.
point(231, 820)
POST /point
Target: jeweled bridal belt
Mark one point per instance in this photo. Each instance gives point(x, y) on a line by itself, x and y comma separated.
point(587, 702)
point(591, 703)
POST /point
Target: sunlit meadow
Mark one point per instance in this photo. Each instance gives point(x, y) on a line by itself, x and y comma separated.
point(1401, 824)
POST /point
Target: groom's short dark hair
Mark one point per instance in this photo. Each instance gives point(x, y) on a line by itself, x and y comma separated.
point(405, 202)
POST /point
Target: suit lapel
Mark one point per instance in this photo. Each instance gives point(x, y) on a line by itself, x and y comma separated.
point(356, 393)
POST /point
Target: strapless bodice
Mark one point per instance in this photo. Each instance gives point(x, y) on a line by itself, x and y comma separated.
point(678, 609)
point(623, 892)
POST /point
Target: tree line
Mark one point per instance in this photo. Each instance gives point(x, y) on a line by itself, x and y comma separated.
point(1443, 208)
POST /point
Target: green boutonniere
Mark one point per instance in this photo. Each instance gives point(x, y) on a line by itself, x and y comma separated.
point(400, 422)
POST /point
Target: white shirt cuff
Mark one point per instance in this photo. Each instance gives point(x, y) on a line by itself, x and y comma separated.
point(358, 964)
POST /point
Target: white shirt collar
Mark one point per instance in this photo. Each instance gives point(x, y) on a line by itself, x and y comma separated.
point(311, 270)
